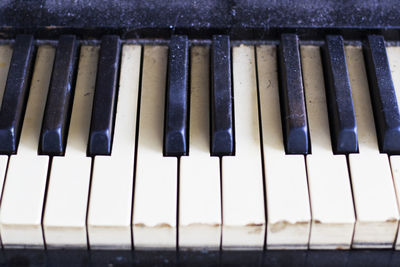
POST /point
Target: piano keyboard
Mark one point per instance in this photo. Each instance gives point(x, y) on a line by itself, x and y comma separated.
point(185, 145)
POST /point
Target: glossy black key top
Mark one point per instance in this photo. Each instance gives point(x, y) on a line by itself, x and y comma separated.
point(383, 96)
point(58, 105)
point(339, 99)
point(176, 127)
point(101, 128)
point(15, 94)
point(293, 109)
point(222, 129)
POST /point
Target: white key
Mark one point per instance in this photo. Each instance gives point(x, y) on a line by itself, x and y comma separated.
point(64, 219)
point(371, 178)
point(25, 184)
point(288, 208)
point(155, 197)
point(199, 185)
point(110, 205)
point(328, 177)
point(5, 59)
point(242, 179)
point(394, 61)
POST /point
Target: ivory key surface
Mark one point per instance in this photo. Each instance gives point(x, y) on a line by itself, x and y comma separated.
point(374, 196)
point(25, 184)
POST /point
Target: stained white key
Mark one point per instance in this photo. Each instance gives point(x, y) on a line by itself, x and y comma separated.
point(288, 209)
point(394, 62)
point(5, 59)
point(371, 178)
point(242, 179)
point(199, 185)
point(155, 196)
point(110, 205)
point(64, 219)
point(328, 177)
point(25, 184)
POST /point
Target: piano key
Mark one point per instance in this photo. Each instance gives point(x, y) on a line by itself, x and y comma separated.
point(222, 129)
point(199, 185)
point(242, 179)
point(393, 53)
point(15, 94)
point(293, 108)
point(64, 219)
point(110, 205)
point(101, 127)
point(371, 178)
point(287, 201)
point(383, 96)
point(338, 96)
point(177, 97)
point(331, 198)
point(54, 126)
point(5, 58)
point(25, 184)
point(155, 196)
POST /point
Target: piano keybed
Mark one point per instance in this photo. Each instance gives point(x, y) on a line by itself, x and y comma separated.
point(199, 145)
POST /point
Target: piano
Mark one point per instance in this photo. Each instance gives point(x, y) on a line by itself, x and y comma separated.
point(199, 133)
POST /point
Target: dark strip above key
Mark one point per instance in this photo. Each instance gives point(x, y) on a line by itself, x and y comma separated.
point(383, 96)
point(58, 105)
point(293, 109)
point(176, 129)
point(15, 94)
point(101, 128)
point(339, 99)
point(222, 129)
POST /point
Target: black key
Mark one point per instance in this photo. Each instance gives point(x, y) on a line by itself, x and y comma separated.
point(101, 128)
point(15, 94)
point(58, 105)
point(383, 96)
point(293, 109)
point(176, 128)
point(222, 133)
point(338, 93)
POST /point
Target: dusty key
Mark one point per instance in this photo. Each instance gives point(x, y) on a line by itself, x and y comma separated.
point(15, 94)
point(294, 117)
point(383, 95)
point(64, 217)
point(24, 189)
point(243, 204)
point(331, 198)
point(110, 205)
point(338, 96)
point(199, 184)
point(177, 98)
point(222, 129)
point(371, 178)
point(287, 201)
point(57, 112)
point(101, 126)
point(155, 196)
